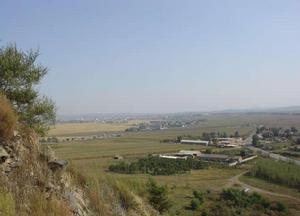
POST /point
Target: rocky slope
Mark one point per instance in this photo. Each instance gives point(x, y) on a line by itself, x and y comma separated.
point(30, 173)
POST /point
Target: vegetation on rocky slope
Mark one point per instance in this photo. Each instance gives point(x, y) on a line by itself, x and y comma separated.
point(29, 184)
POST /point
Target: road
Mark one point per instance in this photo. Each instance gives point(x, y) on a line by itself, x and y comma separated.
point(248, 144)
point(236, 181)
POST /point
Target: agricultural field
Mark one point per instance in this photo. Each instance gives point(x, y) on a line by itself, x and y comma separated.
point(93, 157)
point(89, 128)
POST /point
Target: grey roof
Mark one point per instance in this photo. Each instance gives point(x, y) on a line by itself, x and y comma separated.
point(214, 156)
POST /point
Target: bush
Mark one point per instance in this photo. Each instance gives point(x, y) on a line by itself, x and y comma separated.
point(158, 196)
point(242, 199)
point(280, 207)
point(195, 204)
point(199, 196)
point(8, 119)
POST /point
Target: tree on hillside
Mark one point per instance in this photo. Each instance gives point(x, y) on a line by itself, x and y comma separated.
point(19, 76)
point(158, 196)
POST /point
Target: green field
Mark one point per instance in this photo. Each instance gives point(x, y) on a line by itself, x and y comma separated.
point(93, 157)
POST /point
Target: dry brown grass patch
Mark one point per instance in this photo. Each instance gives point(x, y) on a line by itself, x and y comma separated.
point(8, 119)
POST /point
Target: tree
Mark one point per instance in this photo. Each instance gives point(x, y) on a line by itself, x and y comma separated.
point(275, 131)
point(236, 134)
point(208, 151)
point(243, 153)
point(178, 139)
point(255, 140)
point(19, 76)
point(294, 129)
point(158, 196)
point(224, 135)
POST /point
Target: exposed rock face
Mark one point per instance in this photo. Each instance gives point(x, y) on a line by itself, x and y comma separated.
point(58, 165)
point(26, 167)
point(3, 155)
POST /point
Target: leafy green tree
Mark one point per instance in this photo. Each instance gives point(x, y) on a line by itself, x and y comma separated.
point(19, 76)
point(158, 196)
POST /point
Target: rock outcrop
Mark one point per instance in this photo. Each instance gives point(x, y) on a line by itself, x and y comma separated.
point(27, 168)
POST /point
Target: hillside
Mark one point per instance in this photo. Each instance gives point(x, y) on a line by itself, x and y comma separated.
point(34, 182)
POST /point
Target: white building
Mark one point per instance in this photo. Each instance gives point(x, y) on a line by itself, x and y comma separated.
point(173, 157)
point(189, 153)
point(195, 142)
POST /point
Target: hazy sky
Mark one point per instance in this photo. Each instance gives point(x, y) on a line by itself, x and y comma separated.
point(161, 55)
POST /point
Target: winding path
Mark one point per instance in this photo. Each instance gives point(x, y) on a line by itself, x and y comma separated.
point(235, 180)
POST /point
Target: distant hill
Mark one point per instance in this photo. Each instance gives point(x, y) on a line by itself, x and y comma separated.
point(122, 116)
point(289, 109)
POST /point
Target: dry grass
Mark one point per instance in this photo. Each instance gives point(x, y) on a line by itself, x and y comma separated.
point(8, 119)
point(39, 205)
point(7, 203)
point(72, 129)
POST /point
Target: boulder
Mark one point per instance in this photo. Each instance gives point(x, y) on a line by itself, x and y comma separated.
point(57, 165)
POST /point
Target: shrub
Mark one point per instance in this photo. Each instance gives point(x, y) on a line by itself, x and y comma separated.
point(8, 119)
point(242, 199)
point(199, 196)
point(195, 204)
point(280, 207)
point(204, 213)
point(158, 196)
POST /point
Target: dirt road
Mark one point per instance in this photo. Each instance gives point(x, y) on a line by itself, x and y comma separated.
point(236, 181)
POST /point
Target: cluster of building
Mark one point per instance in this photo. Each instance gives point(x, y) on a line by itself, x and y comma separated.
point(219, 142)
point(264, 132)
point(149, 126)
point(221, 158)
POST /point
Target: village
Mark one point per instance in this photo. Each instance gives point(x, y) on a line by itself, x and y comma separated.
point(230, 160)
point(221, 142)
